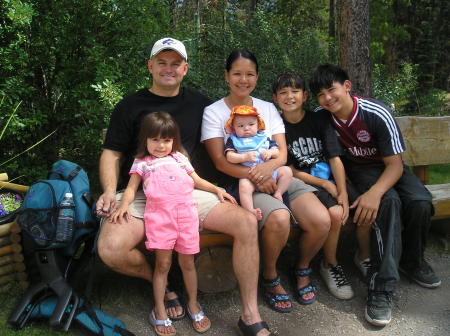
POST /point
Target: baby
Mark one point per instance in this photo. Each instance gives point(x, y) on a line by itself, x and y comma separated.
point(249, 145)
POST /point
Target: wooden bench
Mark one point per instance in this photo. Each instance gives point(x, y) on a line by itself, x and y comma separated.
point(427, 140)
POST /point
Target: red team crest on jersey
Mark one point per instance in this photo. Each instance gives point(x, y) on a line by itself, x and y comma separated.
point(363, 136)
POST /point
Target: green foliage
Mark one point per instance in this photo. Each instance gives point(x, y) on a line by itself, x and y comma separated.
point(432, 103)
point(394, 89)
point(440, 174)
point(415, 32)
point(63, 60)
point(70, 61)
point(278, 47)
point(403, 92)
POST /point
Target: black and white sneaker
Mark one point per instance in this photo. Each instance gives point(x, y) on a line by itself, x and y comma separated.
point(336, 281)
point(423, 275)
point(378, 308)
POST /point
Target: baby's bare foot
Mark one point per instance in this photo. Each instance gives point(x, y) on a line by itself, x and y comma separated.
point(278, 196)
point(258, 213)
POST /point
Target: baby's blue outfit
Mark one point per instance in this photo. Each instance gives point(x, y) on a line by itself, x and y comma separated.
point(257, 143)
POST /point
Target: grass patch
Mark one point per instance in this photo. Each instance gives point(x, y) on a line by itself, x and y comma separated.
point(7, 301)
point(439, 174)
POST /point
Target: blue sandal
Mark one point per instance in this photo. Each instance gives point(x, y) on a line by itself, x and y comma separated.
point(309, 288)
point(272, 298)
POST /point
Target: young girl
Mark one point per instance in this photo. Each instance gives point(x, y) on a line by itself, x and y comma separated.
point(170, 217)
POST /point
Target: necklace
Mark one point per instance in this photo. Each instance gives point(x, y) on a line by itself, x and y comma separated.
point(230, 103)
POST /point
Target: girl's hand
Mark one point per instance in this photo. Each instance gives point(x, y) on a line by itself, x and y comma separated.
point(331, 188)
point(224, 195)
point(120, 213)
point(342, 200)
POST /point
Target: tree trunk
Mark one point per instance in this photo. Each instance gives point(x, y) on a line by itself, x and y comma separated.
point(253, 4)
point(354, 42)
point(332, 30)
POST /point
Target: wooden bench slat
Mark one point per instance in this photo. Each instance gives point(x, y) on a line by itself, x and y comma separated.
point(210, 239)
point(427, 140)
point(440, 192)
point(441, 199)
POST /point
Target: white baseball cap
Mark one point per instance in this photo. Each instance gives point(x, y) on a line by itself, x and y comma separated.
point(169, 43)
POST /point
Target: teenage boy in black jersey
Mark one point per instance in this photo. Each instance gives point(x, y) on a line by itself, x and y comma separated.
point(314, 157)
point(392, 198)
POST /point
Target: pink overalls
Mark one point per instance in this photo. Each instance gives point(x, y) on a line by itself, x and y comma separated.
point(170, 216)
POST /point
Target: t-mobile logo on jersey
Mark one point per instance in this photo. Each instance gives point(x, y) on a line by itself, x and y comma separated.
point(362, 151)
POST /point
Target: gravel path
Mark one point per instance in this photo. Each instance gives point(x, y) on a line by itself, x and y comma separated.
point(417, 311)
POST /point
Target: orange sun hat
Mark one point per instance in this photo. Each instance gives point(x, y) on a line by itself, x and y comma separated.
point(244, 110)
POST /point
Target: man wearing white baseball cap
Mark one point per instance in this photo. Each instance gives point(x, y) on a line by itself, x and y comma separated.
point(169, 43)
point(118, 243)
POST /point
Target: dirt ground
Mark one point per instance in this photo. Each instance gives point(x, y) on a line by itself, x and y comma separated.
point(416, 310)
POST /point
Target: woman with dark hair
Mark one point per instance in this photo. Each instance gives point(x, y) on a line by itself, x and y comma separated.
point(241, 75)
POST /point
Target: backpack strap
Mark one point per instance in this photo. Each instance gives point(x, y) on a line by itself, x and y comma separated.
point(70, 176)
point(73, 173)
point(87, 307)
point(92, 273)
point(54, 202)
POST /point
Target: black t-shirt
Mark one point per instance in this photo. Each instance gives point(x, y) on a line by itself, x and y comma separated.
point(311, 140)
point(187, 110)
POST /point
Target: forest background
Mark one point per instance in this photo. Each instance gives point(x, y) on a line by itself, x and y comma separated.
point(65, 63)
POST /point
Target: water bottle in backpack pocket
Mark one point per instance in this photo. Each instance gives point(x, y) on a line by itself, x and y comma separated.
point(38, 215)
point(56, 212)
point(65, 222)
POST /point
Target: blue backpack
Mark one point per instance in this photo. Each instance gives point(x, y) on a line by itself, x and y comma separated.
point(38, 215)
point(53, 294)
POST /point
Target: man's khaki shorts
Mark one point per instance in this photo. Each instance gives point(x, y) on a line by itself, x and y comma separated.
point(205, 202)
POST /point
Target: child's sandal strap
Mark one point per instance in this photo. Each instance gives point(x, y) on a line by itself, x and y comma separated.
point(303, 272)
point(307, 289)
point(271, 282)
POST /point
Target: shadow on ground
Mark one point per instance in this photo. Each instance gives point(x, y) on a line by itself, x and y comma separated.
point(417, 311)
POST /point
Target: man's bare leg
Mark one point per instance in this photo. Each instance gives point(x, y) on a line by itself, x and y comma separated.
point(241, 225)
point(274, 237)
point(117, 247)
point(314, 220)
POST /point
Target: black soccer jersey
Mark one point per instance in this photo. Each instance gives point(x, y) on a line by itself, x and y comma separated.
point(369, 134)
